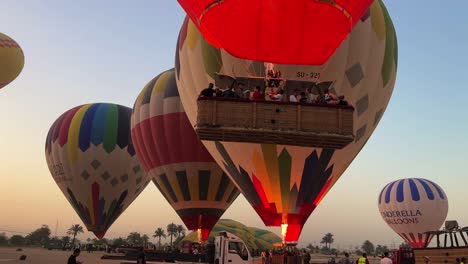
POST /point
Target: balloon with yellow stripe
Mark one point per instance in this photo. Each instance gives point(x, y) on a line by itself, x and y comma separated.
point(91, 157)
point(181, 167)
point(11, 60)
point(286, 183)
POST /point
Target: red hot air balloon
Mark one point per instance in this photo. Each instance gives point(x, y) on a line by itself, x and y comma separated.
point(278, 31)
point(181, 167)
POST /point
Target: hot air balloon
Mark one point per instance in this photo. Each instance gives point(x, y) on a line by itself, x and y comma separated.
point(305, 32)
point(91, 157)
point(11, 60)
point(181, 167)
point(304, 153)
point(412, 207)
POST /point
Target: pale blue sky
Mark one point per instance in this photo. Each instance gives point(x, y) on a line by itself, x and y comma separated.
point(105, 51)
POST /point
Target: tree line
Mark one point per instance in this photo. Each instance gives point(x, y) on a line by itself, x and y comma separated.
point(366, 247)
point(42, 237)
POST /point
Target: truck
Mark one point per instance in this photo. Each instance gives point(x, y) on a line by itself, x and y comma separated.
point(226, 248)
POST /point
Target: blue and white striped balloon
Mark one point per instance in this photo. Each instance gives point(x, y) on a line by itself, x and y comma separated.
point(413, 206)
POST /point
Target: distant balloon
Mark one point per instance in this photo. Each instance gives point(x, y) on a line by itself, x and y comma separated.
point(280, 31)
point(90, 155)
point(11, 60)
point(413, 206)
point(286, 183)
point(181, 167)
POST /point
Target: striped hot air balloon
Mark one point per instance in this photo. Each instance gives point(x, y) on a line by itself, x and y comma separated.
point(90, 155)
point(11, 60)
point(284, 183)
point(412, 207)
point(181, 167)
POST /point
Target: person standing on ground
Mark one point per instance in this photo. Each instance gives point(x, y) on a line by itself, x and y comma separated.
point(72, 258)
point(345, 259)
point(363, 259)
point(141, 259)
point(386, 259)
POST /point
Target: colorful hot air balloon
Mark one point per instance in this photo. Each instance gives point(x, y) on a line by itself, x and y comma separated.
point(285, 183)
point(279, 31)
point(181, 167)
point(412, 207)
point(90, 155)
point(11, 60)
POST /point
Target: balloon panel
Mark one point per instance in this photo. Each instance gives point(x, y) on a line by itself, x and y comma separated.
point(91, 157)
point(181, 167)
point(413, 206)
point(11, 60)
point(285, 183)
point(277, 31)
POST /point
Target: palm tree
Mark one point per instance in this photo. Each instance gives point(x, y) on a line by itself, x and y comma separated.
point(75, 230)
point(180, 231)
point(171, 230)
point(134, 239)
point(159, 233)
point(145, 239)
point(327, 240)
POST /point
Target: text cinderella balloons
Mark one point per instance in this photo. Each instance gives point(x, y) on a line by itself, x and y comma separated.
point(412, 207)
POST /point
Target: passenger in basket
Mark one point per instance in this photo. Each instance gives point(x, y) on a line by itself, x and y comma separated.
point(277, 97)
point(208, 92)
point(257, 94)
point(330, 97)
point(293, 97)
point(218, 92)
point(246, 95)
point(311, 98)
point(303, 98)
point(229, 93)
point(240, 90)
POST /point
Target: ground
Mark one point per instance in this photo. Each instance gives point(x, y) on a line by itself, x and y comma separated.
point(43, 256)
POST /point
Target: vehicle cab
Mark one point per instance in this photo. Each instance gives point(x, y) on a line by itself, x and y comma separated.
point(230, 249)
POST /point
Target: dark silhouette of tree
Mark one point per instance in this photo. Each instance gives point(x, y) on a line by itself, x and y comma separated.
point(368, 247)
point(180, 231)
point(66, 241)
point(171, 230)
point(118, 242)
point(159, 233)
point(39, 236)
point(380, 250)
point(17, 240)
point(145, 240)
point(74, 230)
point(327, 240)
point(3, 239)
point(134, 239)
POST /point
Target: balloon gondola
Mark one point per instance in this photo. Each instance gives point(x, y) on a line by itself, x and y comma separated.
point(285, 182)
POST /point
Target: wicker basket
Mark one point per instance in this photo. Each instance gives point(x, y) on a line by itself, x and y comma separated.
point(299, 124)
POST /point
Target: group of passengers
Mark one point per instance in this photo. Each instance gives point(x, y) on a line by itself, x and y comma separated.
point(274, 94)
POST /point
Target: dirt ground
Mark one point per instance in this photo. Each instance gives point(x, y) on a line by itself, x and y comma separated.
point(43, 256)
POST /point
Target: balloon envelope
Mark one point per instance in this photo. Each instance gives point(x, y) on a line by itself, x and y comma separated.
point(277, 31)
point(412, 207)
point(181, 167)
point(91, 158)
point(11, 60)
point(284, 184)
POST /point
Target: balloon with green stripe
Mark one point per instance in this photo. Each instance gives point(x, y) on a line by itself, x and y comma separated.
point(91, 157)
